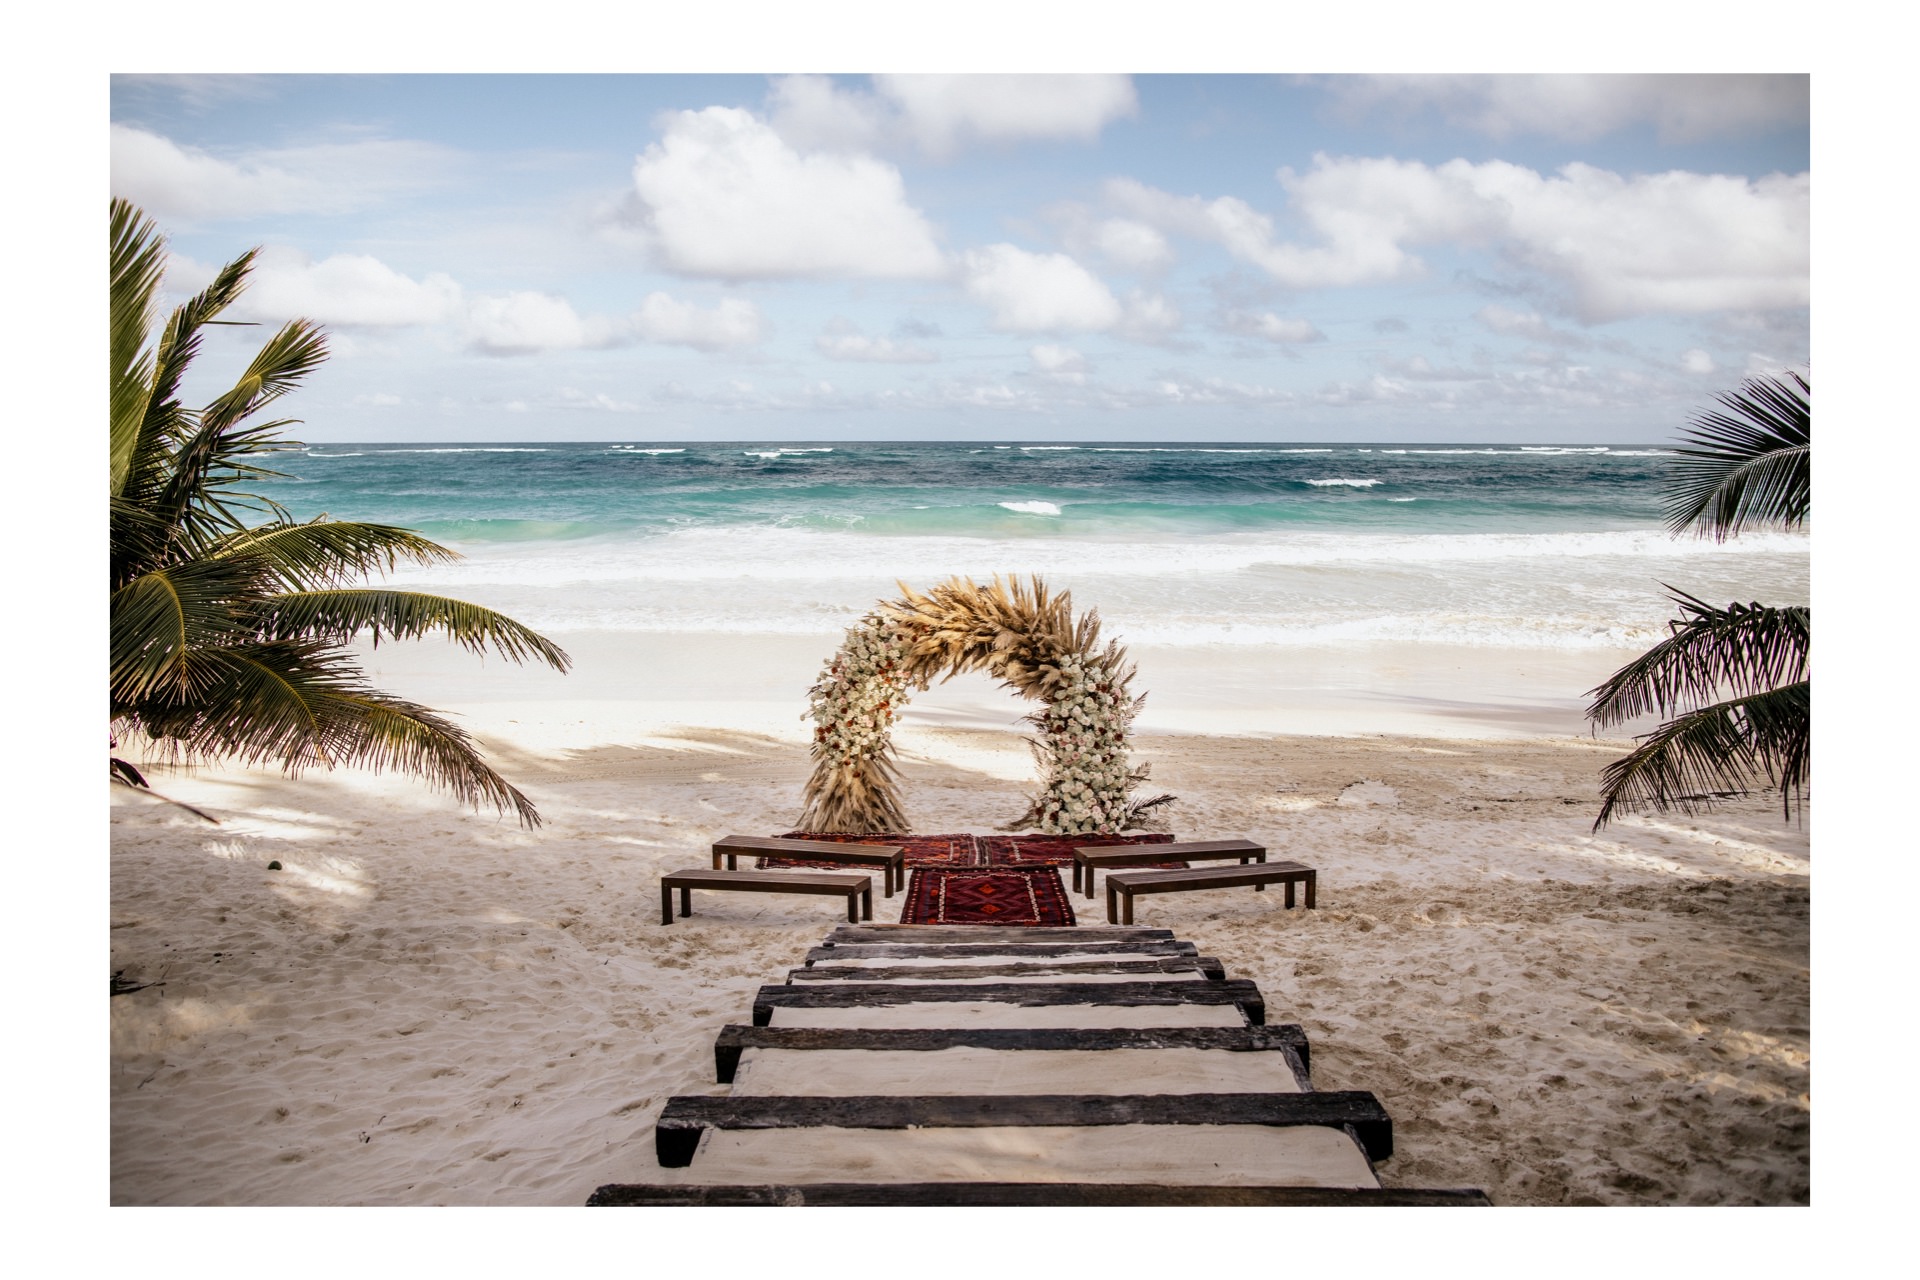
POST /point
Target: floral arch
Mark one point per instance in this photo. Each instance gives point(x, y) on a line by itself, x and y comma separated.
point(1028, 639)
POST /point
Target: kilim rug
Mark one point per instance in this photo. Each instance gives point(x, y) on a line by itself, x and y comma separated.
point(1008, 896)
point(1052, 851)
point(922, 851)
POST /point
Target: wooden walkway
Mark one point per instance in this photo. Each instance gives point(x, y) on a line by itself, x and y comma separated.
point(1077, 1066)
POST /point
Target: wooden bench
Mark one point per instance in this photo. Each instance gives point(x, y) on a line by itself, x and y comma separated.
point(890, 858)
point(857, 889)
point(1087, 857)
point(1125, 884)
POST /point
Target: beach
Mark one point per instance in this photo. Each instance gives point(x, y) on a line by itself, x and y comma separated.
point(429, 1006)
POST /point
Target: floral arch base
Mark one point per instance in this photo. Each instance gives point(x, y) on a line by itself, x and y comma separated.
point(1022, 635)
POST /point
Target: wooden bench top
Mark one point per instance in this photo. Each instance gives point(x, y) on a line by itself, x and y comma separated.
point(1176, 852)
point(768, 881)
point(810, 848)
point(1175, 879)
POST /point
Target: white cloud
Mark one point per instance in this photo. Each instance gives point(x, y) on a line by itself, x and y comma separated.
point(811, 112)
point(1063, 364)
point(345, 289)
point(843, 341)
point(1682, 108)
point(944, 111)
point(1148, 317)
point(938, 114)
point(1518, 324)
point(1697, 361)
point(734, 322)
point(1131, 244)
point(726, 197)
point(1273, 328)
point(1671, 242)
point(1038, 292)
point(172, 182)
point(523, 323)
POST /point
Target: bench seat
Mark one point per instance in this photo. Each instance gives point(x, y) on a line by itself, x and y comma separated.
point(856, 889)
point(1088, 857)
point(1123, 886)
point(890, 858)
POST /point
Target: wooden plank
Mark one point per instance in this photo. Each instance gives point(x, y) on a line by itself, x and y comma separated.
point(1037, 1194)
point(1087, 858)
point(768, 881)
point(858, 889)
point(1199, 876)
point(855, 995)
point(1124, 886)
point(990, 934)
point(798, 848)
point(1205, 965)
point(892, 858)
point(1179, 850)
point(734, 1040)
point(677, 1132)
point(1042, 950)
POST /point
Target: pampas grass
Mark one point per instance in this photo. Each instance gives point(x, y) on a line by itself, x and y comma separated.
point(1023, 635)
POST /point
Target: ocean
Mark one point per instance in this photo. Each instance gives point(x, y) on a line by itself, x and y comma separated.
point(1497, 546)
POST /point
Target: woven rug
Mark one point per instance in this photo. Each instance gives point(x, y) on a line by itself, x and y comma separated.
point(987, 896)
point(1053, 851)
point(922, 851)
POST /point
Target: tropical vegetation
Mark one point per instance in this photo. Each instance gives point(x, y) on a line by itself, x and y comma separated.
point(230, 620)
point(1731, 684)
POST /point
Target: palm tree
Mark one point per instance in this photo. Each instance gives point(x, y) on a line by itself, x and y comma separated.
point(1732, 684)
point(229, 639)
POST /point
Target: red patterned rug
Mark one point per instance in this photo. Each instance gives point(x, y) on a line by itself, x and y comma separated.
point(1052, 851)
point(988, 896)
point(922, 851)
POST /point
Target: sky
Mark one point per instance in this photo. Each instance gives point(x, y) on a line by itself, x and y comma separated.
point(1516, 257)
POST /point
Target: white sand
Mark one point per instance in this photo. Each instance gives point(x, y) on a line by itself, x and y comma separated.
point(429, 1006)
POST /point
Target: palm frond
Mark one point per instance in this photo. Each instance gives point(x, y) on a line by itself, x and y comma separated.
point(326, 552)
point(1751, 465)
point(138, 260)
point(379, 732)
point(1715, 752)
point(1740, 649)
point(340, 613)
point(288, 356)
point(302, 704)
point(163, 622)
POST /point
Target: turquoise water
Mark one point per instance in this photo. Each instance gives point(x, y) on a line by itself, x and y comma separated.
point(1175, 543)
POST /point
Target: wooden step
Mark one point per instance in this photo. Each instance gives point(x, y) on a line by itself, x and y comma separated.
point(995, 934)
point(1233, 991)
point(1039, 1194)
point(735, 1039)
point(1023, 950)
point(1034, 971)
point(677, 1132)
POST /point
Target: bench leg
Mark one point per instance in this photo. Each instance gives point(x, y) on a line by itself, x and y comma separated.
point(686, 902)
point(866, 902)
point(1312, 877)
point(1076, 875)
point(666, 904)
point(1112, 906)
point(1289, 888)
point(1126, 906)
point(716, 859)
